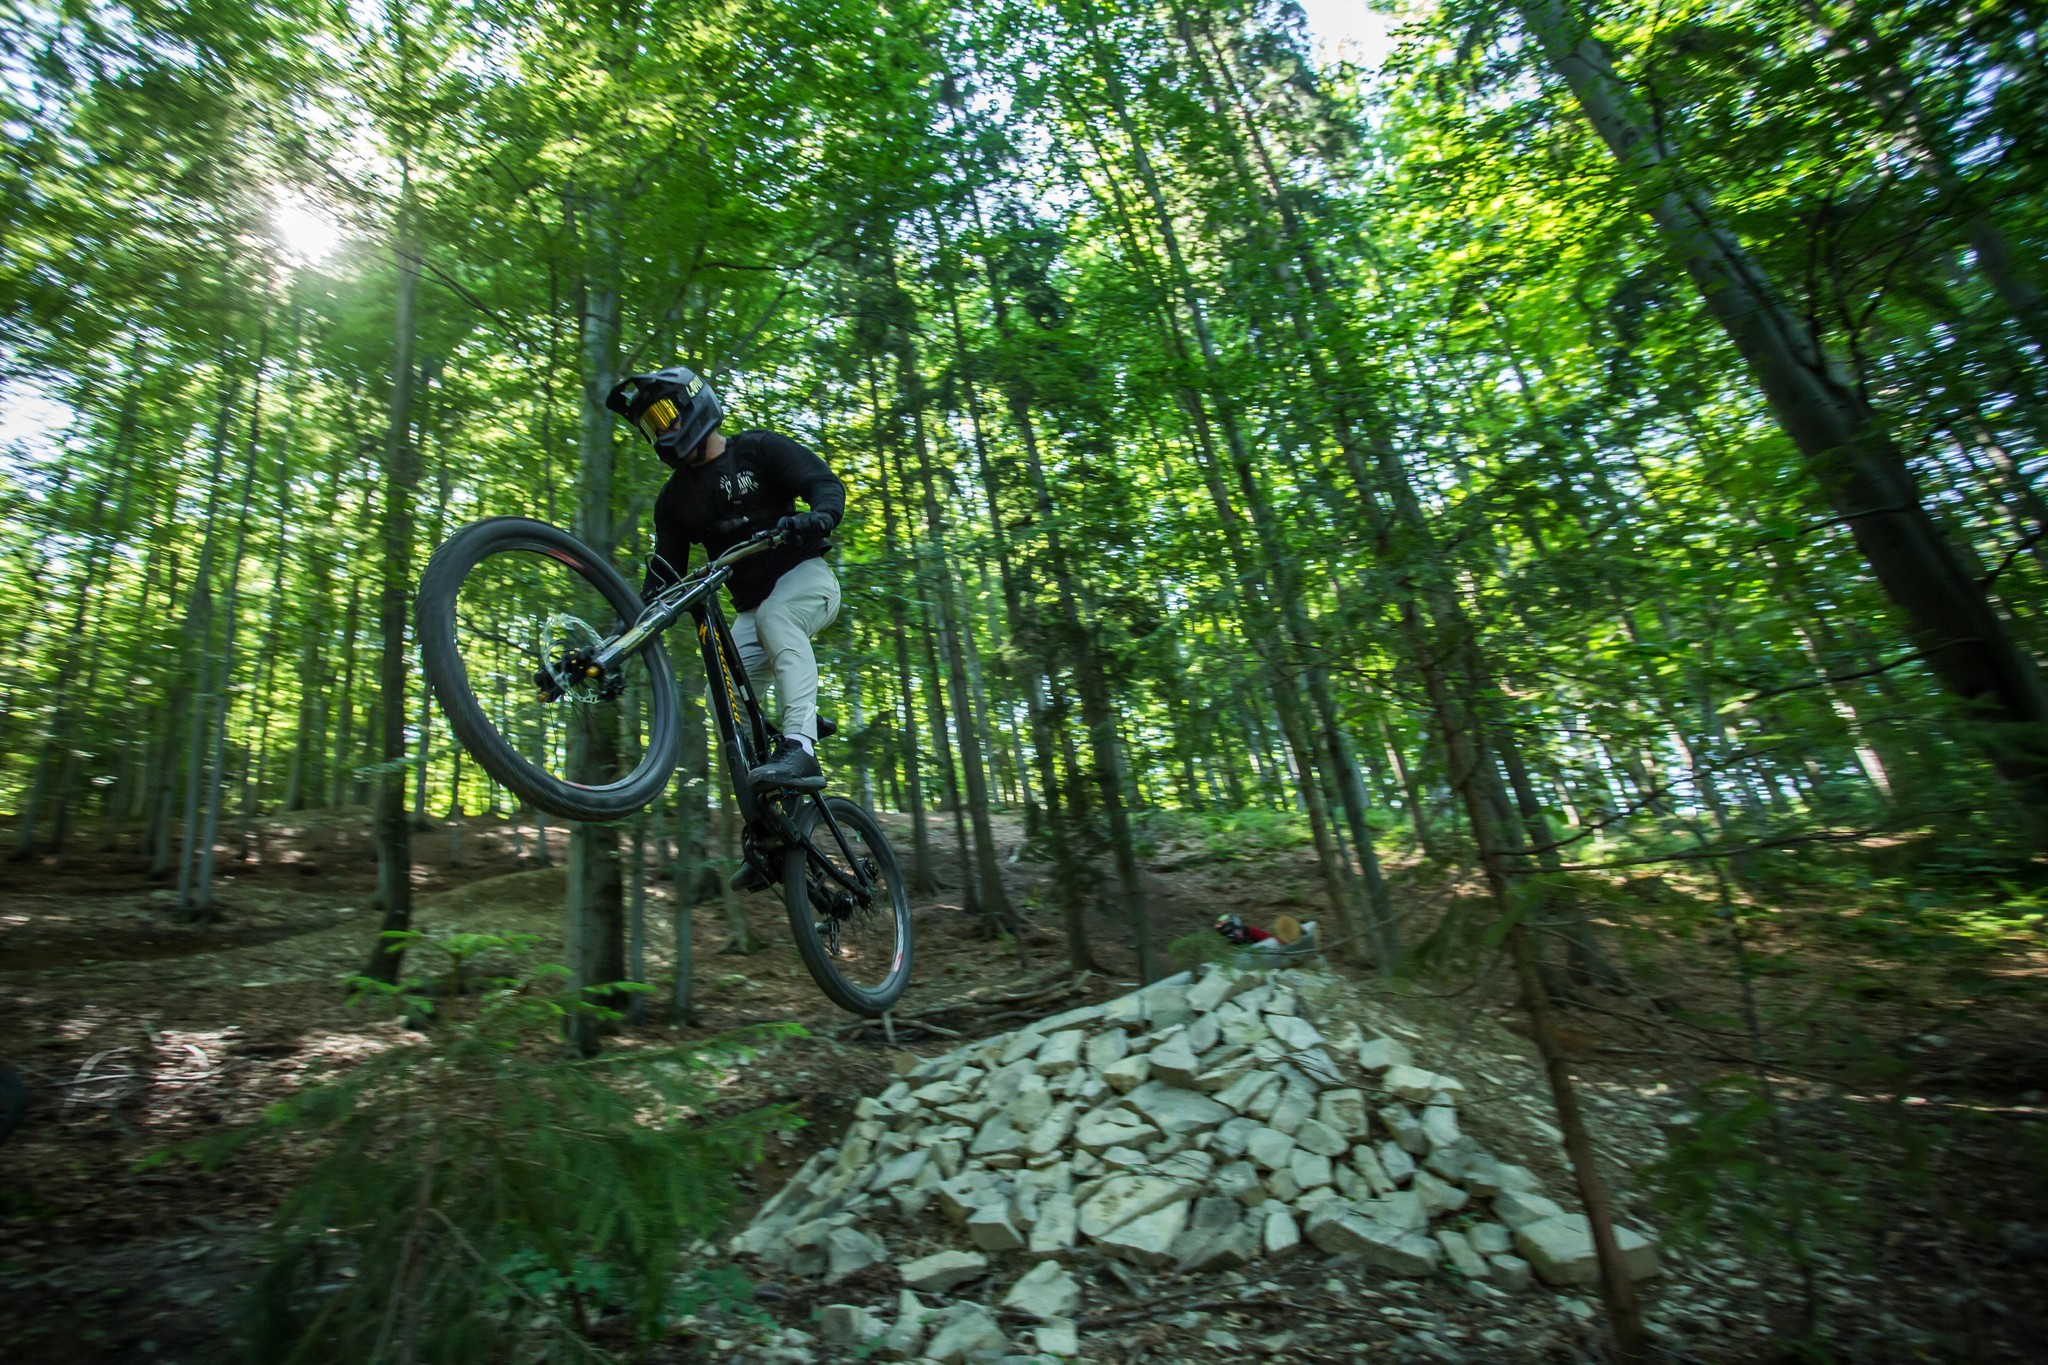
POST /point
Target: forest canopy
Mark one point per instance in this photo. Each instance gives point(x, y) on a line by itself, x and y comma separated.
point(1593, 426)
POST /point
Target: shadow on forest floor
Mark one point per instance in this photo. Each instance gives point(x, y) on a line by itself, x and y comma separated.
point(137, 1031)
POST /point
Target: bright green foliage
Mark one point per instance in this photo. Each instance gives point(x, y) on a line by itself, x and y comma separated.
point(477, 1196)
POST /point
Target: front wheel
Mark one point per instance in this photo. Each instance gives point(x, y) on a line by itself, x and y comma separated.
point(850, 911)
point(506, 598)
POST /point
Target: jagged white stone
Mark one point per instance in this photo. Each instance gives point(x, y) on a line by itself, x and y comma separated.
point(1438, 1196)
point(1310, 1169)
point(1317, 1136)
point(942, 1270)
point(1560, 1250)
point(1463, 1258)
point(990, 1228)
point(1214, 989)
point(1058, 1222)
point(1104, 1129)
point(1279, 1233)
point(963, 1332)
point(1404, 1128)
point(1519, 1210)
point(1371, 1170)
point(1489, 1239)
point(1337, 1230)
point(1296, 1033)
point(1045, 1291)
point(1148, 1240)
point(1061, 1053)
point(1122, 1198)
point(848, 1252)
point(906, 1334)
point(1176, 1111)
point(1056, 1338)
point(1270, 1148)
point(1107, 1048)
point(1344, 1113)
point(847, 1325)
point(1417, 1086)
point(1127, 1075)
point(1511, 1273)
point(1403, 1209)
point(1174, 1062)
point(1052, 1131)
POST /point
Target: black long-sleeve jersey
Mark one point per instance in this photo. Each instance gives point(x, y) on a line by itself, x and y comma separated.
point(748, 488)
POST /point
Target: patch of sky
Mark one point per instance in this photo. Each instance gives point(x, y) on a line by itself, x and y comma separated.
point(32, 428)
point(1351, 31)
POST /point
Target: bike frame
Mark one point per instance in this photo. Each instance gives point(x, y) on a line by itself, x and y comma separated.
point(742, 725)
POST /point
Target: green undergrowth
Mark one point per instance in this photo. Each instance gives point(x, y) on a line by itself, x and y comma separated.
point(1223, 836)
point(481, 1195)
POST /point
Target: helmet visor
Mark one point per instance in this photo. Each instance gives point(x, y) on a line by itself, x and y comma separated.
point(662, 416)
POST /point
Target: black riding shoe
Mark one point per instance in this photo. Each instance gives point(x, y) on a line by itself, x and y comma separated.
point(792, 766)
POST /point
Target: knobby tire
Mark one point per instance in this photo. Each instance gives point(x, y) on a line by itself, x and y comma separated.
point(494, 752)
point(803, 916)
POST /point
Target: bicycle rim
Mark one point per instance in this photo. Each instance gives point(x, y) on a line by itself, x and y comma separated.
point(859, 953)
point(522, 597)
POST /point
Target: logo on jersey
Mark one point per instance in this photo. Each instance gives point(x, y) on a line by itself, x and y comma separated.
point(736, 484)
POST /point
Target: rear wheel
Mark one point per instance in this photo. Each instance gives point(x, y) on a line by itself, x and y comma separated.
point(505, 598)
point(855, 942)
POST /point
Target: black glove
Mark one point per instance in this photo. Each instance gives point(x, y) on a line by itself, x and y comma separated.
point(808, 528)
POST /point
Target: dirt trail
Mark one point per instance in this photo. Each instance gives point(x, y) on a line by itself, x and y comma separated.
point(138, 1032)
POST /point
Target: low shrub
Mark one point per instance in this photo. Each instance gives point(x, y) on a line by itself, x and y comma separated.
point(480, 1195)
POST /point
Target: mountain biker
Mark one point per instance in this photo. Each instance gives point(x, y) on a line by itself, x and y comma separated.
point(722, 492)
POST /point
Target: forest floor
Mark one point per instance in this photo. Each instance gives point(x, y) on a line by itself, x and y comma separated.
point(136, 1032)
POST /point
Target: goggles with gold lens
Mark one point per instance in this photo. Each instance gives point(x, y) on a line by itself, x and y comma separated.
point(661, 417)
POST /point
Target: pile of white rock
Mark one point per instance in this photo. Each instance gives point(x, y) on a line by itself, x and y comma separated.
point(1199, 1123)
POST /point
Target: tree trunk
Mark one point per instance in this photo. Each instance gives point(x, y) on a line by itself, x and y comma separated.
point(199, 638)
point(1030, 676)
point(401, 483)
point(923, 880)
point(692, 827)
point(989, 881)
point(344, 723)
point(596, 889)
point(216, 783)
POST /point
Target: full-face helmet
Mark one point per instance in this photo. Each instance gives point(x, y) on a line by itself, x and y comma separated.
point(673, 408)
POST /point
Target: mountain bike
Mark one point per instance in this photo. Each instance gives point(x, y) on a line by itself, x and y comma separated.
point(511, 609)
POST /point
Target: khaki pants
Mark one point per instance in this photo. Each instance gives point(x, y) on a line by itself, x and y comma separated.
point(774, 640)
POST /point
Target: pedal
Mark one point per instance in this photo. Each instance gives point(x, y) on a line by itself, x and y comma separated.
point(748, 878)
point(795, 784)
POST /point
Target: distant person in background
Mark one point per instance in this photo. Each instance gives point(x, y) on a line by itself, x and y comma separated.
point(1286, 932)
point(720, 493)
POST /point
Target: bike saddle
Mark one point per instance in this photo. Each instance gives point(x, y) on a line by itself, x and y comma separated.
point(826, 729)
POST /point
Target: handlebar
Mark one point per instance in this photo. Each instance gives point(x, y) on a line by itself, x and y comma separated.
point(677, 597)
point(752, 545)
point(713, 572)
